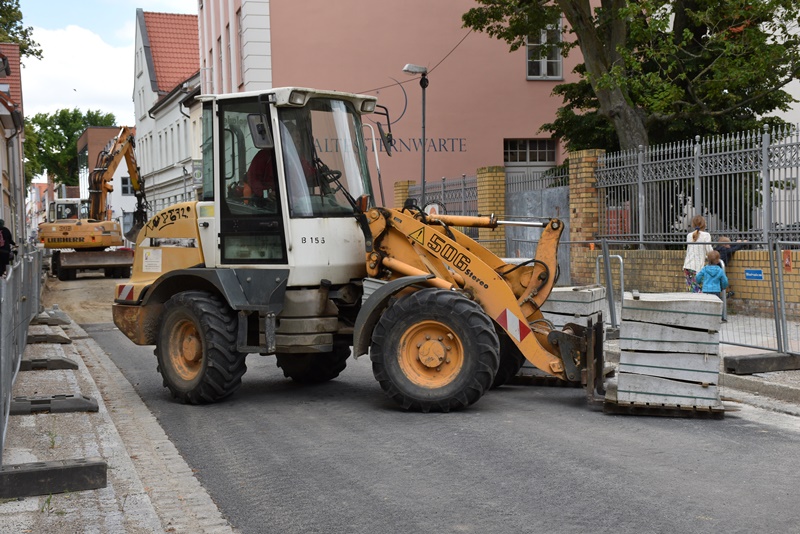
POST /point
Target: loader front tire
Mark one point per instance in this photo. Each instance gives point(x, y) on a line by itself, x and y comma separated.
point(511, 361)
point(434, 350)
point(314, 368)
point(196, 348)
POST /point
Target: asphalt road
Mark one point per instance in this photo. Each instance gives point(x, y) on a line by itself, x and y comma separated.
point(340, 457)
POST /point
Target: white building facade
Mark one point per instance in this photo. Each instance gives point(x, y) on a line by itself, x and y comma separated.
point(167, 127)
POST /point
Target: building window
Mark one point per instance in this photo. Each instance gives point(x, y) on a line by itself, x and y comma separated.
point(127, 187)
point(544, 62)
point(524, 151)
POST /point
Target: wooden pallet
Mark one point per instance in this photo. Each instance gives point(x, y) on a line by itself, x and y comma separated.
point(663, 410)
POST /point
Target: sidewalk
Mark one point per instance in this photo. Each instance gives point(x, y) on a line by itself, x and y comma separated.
point(150, 488)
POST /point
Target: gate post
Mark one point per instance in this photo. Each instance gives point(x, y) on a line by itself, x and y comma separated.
point(401, 192)
point(584, 213)
point(766, 190)
point(640, 188)
point(698, 194)
point(492, 199)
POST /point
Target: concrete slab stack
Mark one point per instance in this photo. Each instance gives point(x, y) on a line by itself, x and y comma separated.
point(565, 305)
point(669, 353)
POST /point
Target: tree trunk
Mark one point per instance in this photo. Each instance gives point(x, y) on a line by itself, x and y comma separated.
point(628, 121)
point(599, 57)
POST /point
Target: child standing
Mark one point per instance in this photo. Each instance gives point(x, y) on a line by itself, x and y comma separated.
point(726, 249)
point(712, 277)
point(696, 254)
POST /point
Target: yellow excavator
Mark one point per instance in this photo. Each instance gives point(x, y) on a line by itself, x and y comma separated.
point(81, 232)
point(304, 267)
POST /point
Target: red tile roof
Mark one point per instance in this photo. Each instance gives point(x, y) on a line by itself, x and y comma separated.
point(175, 47)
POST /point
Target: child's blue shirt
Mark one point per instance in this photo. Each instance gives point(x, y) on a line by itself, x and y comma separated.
point(712, 278)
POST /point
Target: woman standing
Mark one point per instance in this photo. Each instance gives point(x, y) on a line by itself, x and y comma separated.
point(696, 254)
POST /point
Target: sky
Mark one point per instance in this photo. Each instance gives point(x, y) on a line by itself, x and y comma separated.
point(87, 48)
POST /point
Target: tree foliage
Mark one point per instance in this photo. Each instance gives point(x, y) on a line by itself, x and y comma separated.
point(51, 142)
point(12, 30)
point(662, 69)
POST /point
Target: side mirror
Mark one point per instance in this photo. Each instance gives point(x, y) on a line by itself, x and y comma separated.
point(386, 139)
point(259, 130)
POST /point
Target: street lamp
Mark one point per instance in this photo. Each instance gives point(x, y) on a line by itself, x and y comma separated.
point(423, 82)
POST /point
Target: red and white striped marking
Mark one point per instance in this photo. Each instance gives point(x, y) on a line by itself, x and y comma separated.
point(125, 292)
point(518, 329)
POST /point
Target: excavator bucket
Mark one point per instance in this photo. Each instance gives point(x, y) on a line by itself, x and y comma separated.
point(139, 220)
point(133, 234)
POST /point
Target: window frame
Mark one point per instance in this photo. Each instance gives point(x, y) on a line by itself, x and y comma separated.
point(536, 146)
point(553, 55)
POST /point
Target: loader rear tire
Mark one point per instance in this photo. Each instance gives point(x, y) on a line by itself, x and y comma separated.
point(511, 361)
point(314, 368)
point(196, 348)
point(434, 350)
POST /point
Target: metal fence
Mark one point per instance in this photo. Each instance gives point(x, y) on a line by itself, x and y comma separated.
point(537, 180)
point(458, 196)
point(19, 304)
point(744, 184)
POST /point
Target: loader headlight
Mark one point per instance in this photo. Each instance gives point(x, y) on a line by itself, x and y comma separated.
point(297, 98)
point(368, 106)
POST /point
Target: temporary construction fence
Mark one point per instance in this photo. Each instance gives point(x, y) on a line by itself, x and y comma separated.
point(746, 185)
point(763, 311)
point(19, 304)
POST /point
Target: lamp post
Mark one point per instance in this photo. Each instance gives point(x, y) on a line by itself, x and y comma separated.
point(423, 82)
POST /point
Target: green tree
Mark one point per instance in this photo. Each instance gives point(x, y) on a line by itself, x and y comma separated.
point(53, 145)
point(12, 30)
point(33, 167)
point(662, 68)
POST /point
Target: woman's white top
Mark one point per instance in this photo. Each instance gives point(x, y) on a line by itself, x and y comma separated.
point(696, 254)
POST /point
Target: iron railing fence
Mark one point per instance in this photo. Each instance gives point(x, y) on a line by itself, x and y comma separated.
point(744, 184)
point(537, 180)
point(19, 304)
point(458, 196)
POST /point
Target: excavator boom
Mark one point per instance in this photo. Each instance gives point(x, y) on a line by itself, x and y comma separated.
point(100, 179)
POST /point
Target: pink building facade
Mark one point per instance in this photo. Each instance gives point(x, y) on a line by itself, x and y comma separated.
point(484, 104)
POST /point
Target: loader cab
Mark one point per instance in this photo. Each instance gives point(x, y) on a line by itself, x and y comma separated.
point(282, 169)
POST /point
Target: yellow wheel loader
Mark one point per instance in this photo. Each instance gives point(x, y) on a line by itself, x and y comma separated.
point(286, 255)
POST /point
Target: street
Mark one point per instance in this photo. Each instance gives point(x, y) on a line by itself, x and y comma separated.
point(340, 457)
